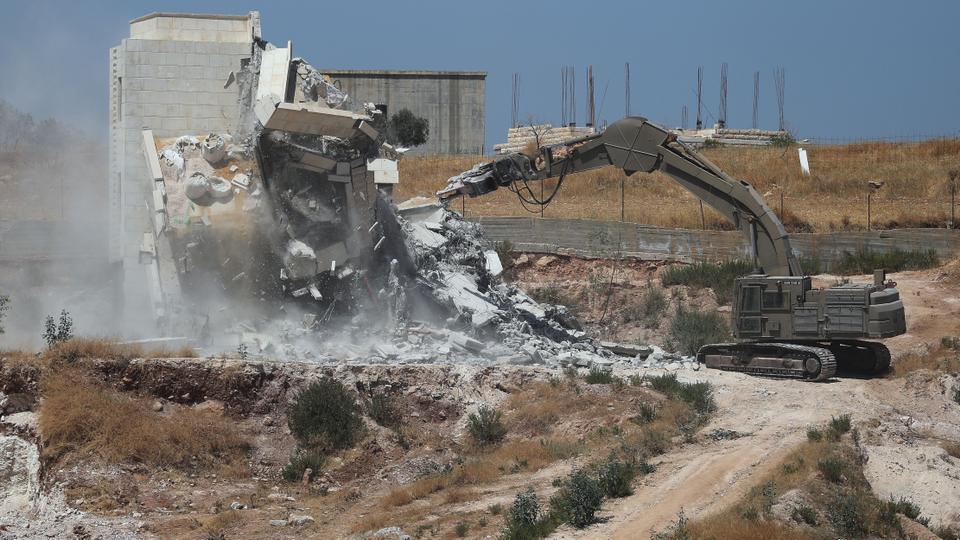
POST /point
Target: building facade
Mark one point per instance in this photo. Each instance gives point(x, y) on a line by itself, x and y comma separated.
point(170, 77)
point(454, 102)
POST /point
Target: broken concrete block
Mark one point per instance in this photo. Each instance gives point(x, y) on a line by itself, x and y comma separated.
point(300, 260)
point(220, 189)
point(328, 257)
point(343, 168)
point(466, 342)
point(214, 148)
point(150, 153)
point(492, 263)
point(338, 178)
point(367, 130)
point(242, 181)
point(197, 186)
point(546, 260)
point(312, 119)
point(626, 349)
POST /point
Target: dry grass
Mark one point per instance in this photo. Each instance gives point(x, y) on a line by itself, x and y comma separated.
point(109, 349)
point(220, 524)
point(916, 190)
point(79, 417)
point(941, 359)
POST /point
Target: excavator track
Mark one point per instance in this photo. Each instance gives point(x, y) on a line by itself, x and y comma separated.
point(772, 359)
point(859, 357)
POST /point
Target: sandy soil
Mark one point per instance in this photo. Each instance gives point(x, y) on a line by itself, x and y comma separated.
point(707, 477)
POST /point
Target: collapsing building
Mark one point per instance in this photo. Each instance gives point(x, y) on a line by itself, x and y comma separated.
point(280, 236)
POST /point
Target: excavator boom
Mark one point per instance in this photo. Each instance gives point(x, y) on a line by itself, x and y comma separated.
point(787, 328)
point(636, 145)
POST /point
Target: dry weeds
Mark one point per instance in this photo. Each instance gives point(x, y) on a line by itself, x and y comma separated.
point(941, 359)
point(79, 417)
point(106, 348)
point(915, 192)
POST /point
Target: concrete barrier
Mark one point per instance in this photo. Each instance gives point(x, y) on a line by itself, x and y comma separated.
point(599, 239)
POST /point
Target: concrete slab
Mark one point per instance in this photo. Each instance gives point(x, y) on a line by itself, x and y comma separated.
point(312, 119)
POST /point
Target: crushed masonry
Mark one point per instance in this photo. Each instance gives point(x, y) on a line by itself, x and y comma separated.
point(283, 239)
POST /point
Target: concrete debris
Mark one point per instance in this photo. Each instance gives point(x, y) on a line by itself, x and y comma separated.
point(214, 148)
point(299, 520)
point(291, 220)
point(627, 349)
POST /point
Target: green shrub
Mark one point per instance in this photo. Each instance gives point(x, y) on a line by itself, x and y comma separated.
point(698, 395)
point(553, 294)
point(57, 332)
point(865, 261)
point(645, 413)
point(805, 514)
point(691, 330)
point(615, 476)
point(578, 500)
point(383, 410)
point(750, 513)
point(905, 507)
point(678, 530)
point(848, 514)
point(599, 376)
point(810, 266)
point(486, 426)
point(719, 277)
point(325, 416)
point(666, 383)
point(524, 520)
point(653, 442)
point(495, 509)
point(783, 140)
point(814, 434)
point(648, 309)
point(461, 529)
point(832, 468)
point(840, 424)
point(300, 462)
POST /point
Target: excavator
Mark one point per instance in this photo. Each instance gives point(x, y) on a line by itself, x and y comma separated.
point(784, 327)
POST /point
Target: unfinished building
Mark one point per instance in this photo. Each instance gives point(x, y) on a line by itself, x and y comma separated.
point(453, 102)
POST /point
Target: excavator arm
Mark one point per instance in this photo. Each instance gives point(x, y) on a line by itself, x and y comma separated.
point(634, 144)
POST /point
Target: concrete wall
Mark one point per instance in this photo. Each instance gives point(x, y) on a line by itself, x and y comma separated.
point(173, 86)
point(454, 102)
point(587, 238)
point(192, 27)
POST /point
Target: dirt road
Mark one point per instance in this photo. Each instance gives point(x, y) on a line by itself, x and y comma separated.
point(706, 477)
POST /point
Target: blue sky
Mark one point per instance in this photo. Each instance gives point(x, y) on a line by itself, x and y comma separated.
point(853, 68)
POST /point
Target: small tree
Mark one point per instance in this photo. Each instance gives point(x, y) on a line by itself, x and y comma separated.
point(4, 306)
point(57, 332)
point(408, 129)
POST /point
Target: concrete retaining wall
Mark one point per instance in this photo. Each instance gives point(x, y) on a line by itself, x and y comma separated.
point(587, 238)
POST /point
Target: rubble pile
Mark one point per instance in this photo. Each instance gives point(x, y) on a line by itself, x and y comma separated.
point(284, 241)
